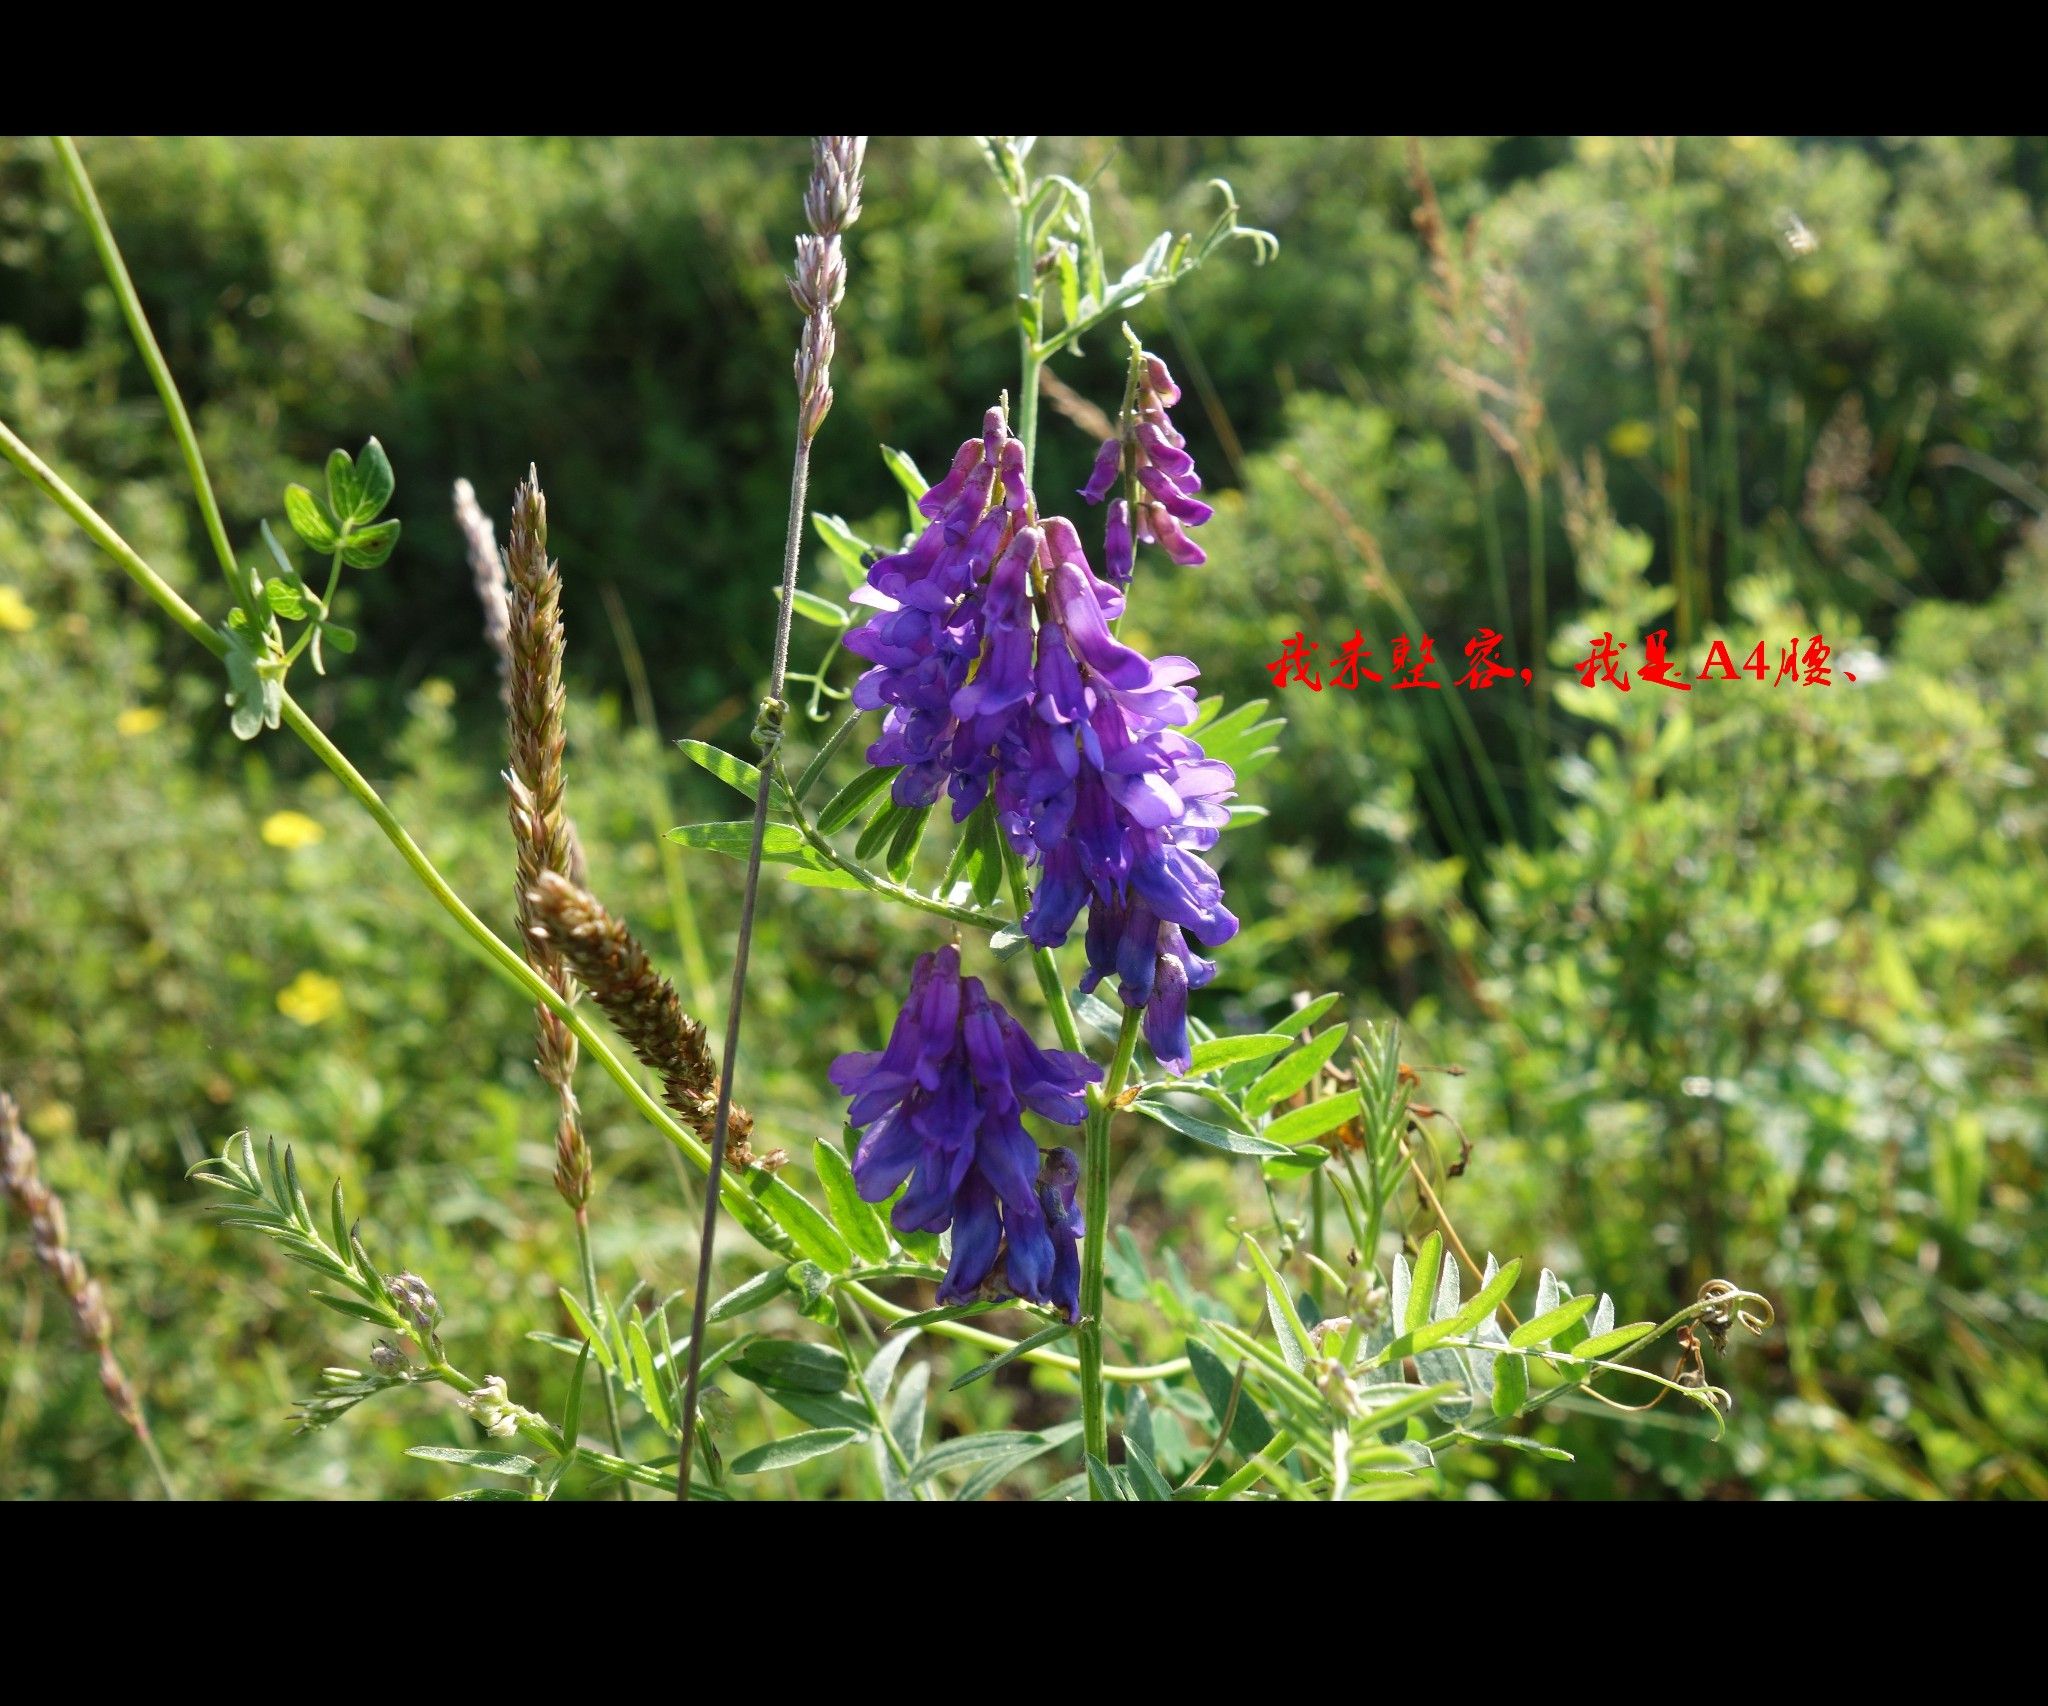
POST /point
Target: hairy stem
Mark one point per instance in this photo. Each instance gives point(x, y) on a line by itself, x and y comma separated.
point(1095, 1232)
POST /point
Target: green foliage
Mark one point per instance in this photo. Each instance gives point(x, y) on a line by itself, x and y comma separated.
point(1741, 983)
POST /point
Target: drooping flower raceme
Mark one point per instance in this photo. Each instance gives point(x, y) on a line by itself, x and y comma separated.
point(993, 653)
point(1155, 455)
point(941, 1105)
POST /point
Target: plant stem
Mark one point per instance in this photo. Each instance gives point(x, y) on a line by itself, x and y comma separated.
point(160, 372)
point(758, 1216)
point(505, 961)
point(1117, 1373)
point(1028, 357)
point(901, 893)
point(611, 1398)
point(890, 1442)
point(1095, 1232)
point(768, 737)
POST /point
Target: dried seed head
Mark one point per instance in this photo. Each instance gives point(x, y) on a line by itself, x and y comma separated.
point(487, 565)
point(831, 203)
point(21, 1180)
point(643, 1008)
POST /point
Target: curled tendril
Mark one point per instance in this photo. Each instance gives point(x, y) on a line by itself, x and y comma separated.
point(1723, 1311)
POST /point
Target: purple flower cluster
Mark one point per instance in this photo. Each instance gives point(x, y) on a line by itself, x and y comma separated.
point(993, 654)
point(941, 1105)
point(1157, 456)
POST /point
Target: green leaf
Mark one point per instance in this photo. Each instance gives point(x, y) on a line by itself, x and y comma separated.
point(369, 547)
point(906, 1427)
point(374, 482)
point(903, 844)
point(736, 773)
point(588, 1328)
point(1619, 1339)
point(914, 484)
point(847, 547)
point(1547, 1326)
point(285, 599)
point(1146, 1481)
point(1295, 1345)
point(852, 800)
point(1456, 1326)
point(1534, 1448)
point(1203, 1131)
point(1103, 1480)
point(792, 1365)
point(1044, 1336)
point(785, 1453)
point(340, 638)
point(881, 830)
point(491, 1462)
point(984, 1480)
point(474, 1495)
point(783, 843)
point(311, 521)
point(756, 1293)
point(653, 1383)
point(971, 1449)
point(344, 490)
point(1250, 1431)
point(857, 1220)
point(1302, 1124)
point(350, 1306)
point(950, 1312)
point(1422, 1286)
point(1295, 1165)
point(815, 609)
point(1295, 1072)
point(1228, 1051)
point(1510, 1384)
point(794, 1212)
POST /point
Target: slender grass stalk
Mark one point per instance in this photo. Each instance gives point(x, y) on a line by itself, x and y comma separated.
point(831, 203)
point(544, 841)
point(239, 585)
point(21, 1182)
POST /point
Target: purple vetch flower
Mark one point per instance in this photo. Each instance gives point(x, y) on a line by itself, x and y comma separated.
point(1163, 479)
point(941, 1105)
point(994, 655)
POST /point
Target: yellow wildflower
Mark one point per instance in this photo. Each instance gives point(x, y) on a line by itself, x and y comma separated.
point(15, 615)
point(139, 720)
point(311, 998)
point(292, 830)
point(1632, 438)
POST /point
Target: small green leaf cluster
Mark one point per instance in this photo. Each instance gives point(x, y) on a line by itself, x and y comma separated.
point(342, 526)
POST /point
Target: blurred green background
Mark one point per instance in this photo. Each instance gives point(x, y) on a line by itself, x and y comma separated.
point(1751, 981)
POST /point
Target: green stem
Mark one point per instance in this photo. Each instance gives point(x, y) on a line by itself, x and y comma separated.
point(1095, 1233)
point(590, 1302)
point(901, 893)
point(1050, 984)
point(758, 1217)
point(1116, 1373)
point(1028, 357)
point(509, 965)
point(160, 372)
point(1270, 1459)
point(890, 1442)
